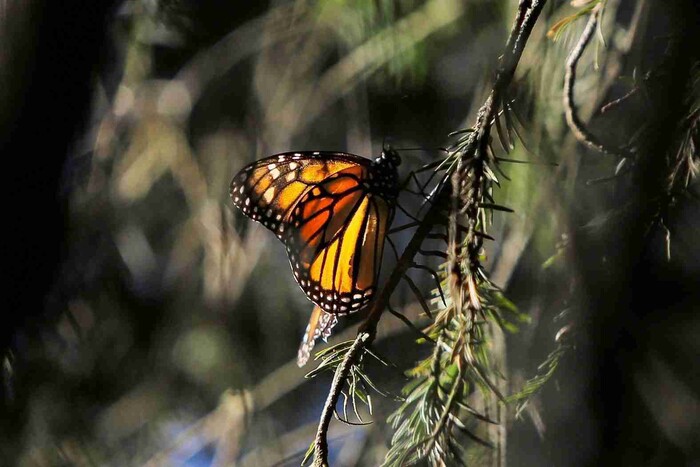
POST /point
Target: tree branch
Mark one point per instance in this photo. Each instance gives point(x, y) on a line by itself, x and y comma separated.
point(528, 12)
point(577, 127)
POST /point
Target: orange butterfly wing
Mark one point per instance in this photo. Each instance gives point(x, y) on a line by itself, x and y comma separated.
point(268, 189)
point(336, 242)
point(335, 250)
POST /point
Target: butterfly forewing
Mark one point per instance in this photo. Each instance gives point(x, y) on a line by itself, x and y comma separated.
point(268, 189)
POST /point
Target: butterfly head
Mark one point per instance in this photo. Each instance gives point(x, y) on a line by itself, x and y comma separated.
point(391, 156)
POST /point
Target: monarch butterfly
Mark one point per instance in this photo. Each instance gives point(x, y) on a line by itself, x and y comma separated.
point(331, 210)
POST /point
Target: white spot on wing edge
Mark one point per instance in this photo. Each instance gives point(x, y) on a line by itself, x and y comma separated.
point(268, 196)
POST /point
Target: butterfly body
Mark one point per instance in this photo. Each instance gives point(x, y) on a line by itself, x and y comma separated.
point(331, 210)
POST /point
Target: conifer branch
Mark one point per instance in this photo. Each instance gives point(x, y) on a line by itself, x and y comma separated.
point(468, 155)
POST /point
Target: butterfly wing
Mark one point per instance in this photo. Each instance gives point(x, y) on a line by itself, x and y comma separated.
point(335, 250)
point(336, 243)
point(267, 190)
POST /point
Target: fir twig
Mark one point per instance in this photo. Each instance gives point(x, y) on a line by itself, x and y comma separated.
point(544, 373)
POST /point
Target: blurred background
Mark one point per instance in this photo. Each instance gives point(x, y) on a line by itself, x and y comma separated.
point(147, 322)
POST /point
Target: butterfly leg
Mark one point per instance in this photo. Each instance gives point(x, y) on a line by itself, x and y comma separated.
point(410, 225)
point(408, 323)
point(413, 177)
point(416, 291)
point(435, 276)
point(393, 247)
point(405, 211)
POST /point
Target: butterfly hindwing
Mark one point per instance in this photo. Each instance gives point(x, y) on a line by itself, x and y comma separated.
point(336, 243)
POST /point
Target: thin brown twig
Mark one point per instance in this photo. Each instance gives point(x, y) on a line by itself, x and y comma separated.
point(367, 333)
point(528, 12)
point(619, 100)
point(577, 127)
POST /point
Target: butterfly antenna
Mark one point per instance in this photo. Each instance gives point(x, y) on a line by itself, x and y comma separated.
point(386, 143)
point(421, 149)
point(441, 149)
